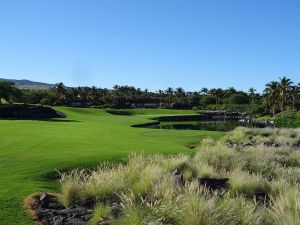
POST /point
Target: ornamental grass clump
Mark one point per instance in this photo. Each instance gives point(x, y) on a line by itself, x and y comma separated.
point(285, 209)
point(101, 214)
point(179, 162)
point(260, 160)
point(288, 136)
point(291, 175)
point(196, 209)
point(100, 184)
point(71, 185)
point(245, 184)
point(148, 178)
point(105, 182)
point(236, 211)
point(220, 157)
point(239, 135)
point(204, 170)
point(293, 160)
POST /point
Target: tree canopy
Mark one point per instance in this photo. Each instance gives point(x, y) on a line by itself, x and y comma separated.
point(277, 96)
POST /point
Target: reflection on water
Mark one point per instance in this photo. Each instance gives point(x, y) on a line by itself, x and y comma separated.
point(221, 125)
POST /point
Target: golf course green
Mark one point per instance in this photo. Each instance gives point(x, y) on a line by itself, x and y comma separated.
point(32, 150)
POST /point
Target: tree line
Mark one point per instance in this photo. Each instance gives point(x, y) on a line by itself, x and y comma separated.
point(276, 97)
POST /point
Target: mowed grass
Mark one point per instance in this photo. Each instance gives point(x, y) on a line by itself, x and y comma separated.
point(31, 151)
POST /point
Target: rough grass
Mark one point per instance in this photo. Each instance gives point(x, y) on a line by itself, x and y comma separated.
point(282, 136)
point(148, 193)
point(31, 151)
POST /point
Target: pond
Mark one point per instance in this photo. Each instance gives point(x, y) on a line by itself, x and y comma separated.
point(201, 125)
point(210, 125)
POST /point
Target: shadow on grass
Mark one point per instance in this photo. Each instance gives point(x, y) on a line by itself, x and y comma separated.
point(59, 120)
point(45, 120)
point(119, 112)
point(54, 174)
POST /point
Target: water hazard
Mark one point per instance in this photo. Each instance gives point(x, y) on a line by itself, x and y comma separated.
point(196, 123)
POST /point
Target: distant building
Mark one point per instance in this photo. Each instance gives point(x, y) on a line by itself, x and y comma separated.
point(142, 103)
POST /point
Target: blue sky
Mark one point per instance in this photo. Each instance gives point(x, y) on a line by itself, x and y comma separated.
point(151, 43)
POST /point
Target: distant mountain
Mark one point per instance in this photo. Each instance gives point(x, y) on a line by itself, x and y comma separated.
point(28, 84)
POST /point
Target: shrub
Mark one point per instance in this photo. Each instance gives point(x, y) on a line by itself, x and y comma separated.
point(239, 99)
point(287, 122)
point(206, 100)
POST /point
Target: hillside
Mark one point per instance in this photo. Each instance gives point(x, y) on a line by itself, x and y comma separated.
point(28, 84)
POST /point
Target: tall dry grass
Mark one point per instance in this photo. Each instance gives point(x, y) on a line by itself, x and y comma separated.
point(147, 192)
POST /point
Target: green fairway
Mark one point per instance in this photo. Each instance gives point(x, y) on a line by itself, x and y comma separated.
point(31, 151)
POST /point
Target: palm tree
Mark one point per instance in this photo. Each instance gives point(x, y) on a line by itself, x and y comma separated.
point(95, 95)
point(60, 91)
point(252, 94)
point(271, 94)
point(86, 95)
point(160, 95)
point(217, 93)
point(170, 93)
point(72, 95)
point(204, 91)
point(230, 91)
point(180, 93)
point(295, 94)
point(284, 88)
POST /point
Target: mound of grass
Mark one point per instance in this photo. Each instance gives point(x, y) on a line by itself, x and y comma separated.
point(147, 190)
point(280, 136)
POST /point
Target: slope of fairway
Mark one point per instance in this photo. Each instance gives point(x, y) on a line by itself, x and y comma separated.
point(31, 151)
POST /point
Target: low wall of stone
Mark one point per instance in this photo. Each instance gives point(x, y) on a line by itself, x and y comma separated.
point(24, 111)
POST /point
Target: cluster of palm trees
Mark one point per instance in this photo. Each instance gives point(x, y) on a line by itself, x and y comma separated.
point(127, 96)
point(118, 96)
point(280, 94)
point(220, 94)
point(60, 94)
point(277, 96)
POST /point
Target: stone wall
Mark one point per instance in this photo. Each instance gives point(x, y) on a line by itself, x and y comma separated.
point(24, 111)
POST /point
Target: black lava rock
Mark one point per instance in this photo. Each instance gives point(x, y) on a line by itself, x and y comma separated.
point(219, 186)
point(51, 212)
point(178, 177)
